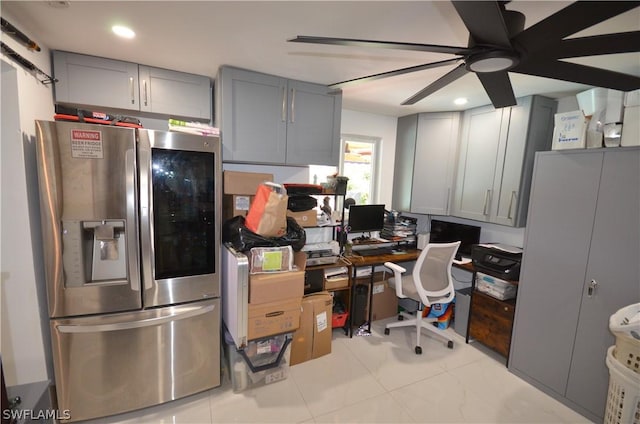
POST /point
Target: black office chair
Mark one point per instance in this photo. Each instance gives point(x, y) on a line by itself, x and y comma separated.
point(430, 283)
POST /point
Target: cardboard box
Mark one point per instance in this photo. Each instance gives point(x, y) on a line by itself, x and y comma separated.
point(631, 126)
point(268, 319)
point(306, 218)
point(336, 283)
point(235, 204)
point(313, 338)
point(385, 302)
point(244, 182)
point(265, 288)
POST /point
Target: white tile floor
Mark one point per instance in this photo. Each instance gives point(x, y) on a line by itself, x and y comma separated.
point(376, 379)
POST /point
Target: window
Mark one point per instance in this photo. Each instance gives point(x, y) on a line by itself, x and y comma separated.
point(358, 162)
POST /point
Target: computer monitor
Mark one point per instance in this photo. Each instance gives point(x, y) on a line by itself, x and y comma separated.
point(365, 218)
point(447, 232)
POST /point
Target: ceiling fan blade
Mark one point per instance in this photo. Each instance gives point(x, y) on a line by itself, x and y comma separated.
point(623, 42)
point(498, 87)
point(485, 22)
point(433, 48)
point(568, 21)
point(582, 74)
point(394, 73)
point(448, 78)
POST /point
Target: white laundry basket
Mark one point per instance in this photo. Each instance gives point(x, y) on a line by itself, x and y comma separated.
point(625, 326)
point(623, 399)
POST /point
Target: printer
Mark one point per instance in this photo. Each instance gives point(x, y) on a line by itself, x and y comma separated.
point(499, 260)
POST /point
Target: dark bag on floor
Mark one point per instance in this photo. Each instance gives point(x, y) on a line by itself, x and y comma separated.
point(235, 232)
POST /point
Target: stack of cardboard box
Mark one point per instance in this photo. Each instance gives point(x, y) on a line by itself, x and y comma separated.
point(275, 300)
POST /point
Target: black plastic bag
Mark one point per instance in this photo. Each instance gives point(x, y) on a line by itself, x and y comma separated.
point(298, 203)
point(242, 239)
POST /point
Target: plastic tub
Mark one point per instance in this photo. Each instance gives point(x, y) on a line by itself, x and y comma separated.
point(625, 326)
point(623, 398)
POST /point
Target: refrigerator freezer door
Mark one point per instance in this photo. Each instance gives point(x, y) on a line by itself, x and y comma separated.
point(176, 351)
point(180, 181)
point(88, 209)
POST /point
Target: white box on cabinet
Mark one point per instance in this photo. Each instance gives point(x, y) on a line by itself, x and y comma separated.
point(569, 131)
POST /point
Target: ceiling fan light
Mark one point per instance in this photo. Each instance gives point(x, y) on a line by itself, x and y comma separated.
point(492, 62)
point(123, 31)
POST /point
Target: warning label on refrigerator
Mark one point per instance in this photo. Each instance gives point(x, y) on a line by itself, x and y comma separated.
point(86, 144)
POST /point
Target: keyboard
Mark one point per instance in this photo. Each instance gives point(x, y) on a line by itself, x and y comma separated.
point(374, 252)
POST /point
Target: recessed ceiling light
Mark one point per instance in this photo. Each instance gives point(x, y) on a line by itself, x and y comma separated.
point(460, 101)
point(123, 31)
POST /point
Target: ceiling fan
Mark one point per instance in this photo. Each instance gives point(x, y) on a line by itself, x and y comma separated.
point(498, 44)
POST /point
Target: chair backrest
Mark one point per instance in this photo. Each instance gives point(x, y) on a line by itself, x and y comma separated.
point(432, 273)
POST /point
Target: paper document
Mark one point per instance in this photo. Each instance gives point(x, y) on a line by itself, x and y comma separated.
point(503, 247)
point(462, 261)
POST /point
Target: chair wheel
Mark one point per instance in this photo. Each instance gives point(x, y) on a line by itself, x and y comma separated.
point(450, 344)
point(418, 350)
point(400, 317)
point(386, 331)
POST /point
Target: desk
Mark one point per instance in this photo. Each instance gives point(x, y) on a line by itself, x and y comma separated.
point(373, 261)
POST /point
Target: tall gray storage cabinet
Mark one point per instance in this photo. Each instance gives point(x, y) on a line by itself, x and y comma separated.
point(580, 265)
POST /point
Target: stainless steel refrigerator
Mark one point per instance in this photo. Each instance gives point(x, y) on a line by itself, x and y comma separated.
point(131, 231)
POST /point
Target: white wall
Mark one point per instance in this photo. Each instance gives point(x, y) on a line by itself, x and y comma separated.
point(385, 127)
point(25, 335)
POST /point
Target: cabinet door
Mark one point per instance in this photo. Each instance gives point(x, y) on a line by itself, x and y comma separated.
point(530, 131)
point(95, 81)
point(436, 147)
point(563, 201)
point(313, 129)
point(507, 178)
point(254, 116)
point(404, 161)
point(174, 93)
point(613, 265)
point(479, 150)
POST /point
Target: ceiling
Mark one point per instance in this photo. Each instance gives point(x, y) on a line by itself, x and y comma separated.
point(199, 36)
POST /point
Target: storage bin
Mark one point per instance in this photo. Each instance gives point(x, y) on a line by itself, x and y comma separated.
point(623, 398)
point(339, 320)
point(625, 326)
point(261, 362)
point(495, 287)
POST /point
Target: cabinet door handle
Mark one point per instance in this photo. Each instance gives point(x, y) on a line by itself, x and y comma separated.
point(133, 97)
point(446, 206)
point(144, 90)
point(293, 105)
point(284, 104)
point(591, 290)
point(513, 194)
point(486, 202)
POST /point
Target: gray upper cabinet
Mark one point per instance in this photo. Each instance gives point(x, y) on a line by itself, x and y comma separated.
point(580, 266)
point(496, 159)
point(273, 120)
point(95, 81)
point(426, 148)
point(174, 93)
